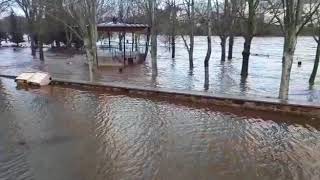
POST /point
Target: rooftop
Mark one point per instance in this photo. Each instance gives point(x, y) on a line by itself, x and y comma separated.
point(116, 27)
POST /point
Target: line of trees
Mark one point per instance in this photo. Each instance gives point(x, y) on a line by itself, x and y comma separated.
point(180, 18)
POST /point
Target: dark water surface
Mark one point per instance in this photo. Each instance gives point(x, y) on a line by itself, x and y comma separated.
point(72, 134)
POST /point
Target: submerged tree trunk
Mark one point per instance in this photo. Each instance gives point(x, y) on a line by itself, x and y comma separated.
point(230, 51)
point(316, 64)
point(287, 60)
point(209, 50)
point(246, 56)
point(173, 32)
point(154, 39)
point(208, 55)
point(223, 47)
point(173, 45)
point(248, 36)
point(234, 10)
point(154, 51)
point(41, 55)
point(192, 19)
point(191, 52)
point(33, 45)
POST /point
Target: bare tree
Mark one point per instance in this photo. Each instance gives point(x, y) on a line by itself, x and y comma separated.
point(4, 5)
point(250, 25)
point(292, 17)
point(234, 12)
point(34, 13)
point(149, 8)
point(222, 24)
point(40, 4)
point(190, 12)
point(173, 23)
point(29, 7)
point(83, 15)
point(315, 20)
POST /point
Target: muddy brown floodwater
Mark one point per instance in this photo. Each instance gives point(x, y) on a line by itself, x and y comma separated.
point(68, 133)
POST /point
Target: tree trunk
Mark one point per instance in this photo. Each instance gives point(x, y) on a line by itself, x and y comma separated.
point(90, 41)
point(154, 39)
point(68, 38)
point(91, 55)
point(192, 35)
point(41, 55)
point(191, 53)
point(246, 56)
point(173, 45)
point(316, 64)
point(154, 52)
point(208, 55)
point(33, 45)
point(173, 32)
point(223, 48)
point(287, 60)
point(230, 51)
point(251, 29)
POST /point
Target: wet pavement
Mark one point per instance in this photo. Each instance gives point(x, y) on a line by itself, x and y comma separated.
point(223, 78)
point(65, 133)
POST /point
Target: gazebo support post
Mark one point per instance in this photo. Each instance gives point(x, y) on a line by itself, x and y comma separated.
point(124, 49)
point(132, 41)
point(136, 42)
point(109, 40)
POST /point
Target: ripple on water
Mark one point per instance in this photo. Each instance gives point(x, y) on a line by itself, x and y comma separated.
point(77, 134)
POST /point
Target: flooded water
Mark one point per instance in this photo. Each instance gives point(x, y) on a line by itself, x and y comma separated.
point(224, 78)
point(66, 133)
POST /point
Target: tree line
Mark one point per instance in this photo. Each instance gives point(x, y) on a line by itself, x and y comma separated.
point(76, 20)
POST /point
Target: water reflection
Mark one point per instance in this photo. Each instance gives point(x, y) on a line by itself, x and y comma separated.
point(68, 133)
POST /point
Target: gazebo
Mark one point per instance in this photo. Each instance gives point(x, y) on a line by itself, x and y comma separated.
point(124, 51)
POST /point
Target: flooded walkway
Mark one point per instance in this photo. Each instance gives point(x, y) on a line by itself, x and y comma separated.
point(66, 133)
point(224, 78)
